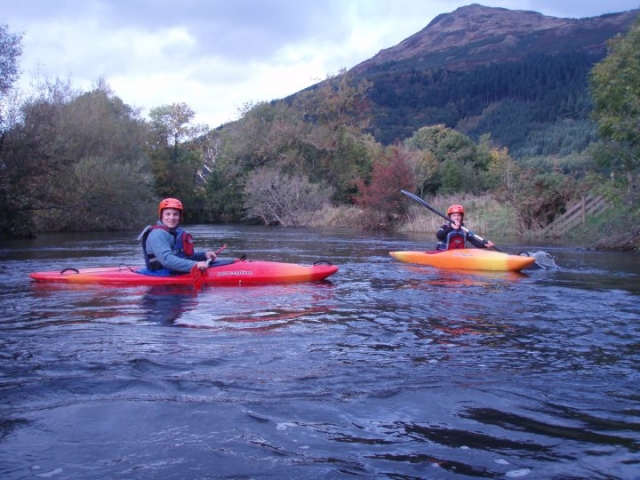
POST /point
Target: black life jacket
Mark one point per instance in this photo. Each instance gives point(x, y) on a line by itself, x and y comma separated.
point(182, 245)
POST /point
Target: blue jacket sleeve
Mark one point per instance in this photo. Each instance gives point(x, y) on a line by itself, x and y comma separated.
point(198, 256)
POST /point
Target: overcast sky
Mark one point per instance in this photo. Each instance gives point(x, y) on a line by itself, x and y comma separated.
point(219, 55)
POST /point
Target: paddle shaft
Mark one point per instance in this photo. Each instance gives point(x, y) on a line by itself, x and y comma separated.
point(198, 274)
point(217, 252)
point(465, 230)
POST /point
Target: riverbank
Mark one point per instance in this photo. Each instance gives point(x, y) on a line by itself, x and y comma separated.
point(625, 242)
point(490, 218)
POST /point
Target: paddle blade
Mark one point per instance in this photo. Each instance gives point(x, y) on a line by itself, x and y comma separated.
point(198, 277)
point(543, 260)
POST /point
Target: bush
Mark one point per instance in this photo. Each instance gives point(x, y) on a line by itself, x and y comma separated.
point(280, 199)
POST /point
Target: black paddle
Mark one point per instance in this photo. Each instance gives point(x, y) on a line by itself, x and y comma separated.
point(419, 200)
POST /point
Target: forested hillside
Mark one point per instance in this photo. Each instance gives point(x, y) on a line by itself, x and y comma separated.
point(519, 76)
point(471, 108)
point(510, 100)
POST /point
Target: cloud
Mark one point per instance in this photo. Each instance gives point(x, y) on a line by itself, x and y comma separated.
point(218, 55)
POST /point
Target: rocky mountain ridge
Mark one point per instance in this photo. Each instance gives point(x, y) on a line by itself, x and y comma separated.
point(476, 34)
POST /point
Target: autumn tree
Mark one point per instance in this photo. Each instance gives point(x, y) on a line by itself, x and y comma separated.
point(334, 114)
point(111, 180)
point(315, 135)
point(381, 199)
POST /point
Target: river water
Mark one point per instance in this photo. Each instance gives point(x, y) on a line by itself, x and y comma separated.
point(387, 370)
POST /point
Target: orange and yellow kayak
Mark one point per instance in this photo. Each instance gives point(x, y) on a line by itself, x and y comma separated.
point(467, 259)
point(234, 272)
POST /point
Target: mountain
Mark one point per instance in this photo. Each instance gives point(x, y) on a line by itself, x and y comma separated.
point(476, 34)
point(520, 76)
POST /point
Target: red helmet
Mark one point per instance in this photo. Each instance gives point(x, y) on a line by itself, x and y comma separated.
point(170, 203)
point(455, 209)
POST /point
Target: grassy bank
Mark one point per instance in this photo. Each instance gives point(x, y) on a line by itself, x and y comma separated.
point(483, 215)
point(490, 218)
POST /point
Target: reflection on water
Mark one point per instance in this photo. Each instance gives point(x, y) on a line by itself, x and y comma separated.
point(165, 305)
point(388, 370)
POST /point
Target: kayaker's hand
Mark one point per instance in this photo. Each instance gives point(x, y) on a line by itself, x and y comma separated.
point(211, 255)
point(489, 244)
point(455, 225)
point(203, 265)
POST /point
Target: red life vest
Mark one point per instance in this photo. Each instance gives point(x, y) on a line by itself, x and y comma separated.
point(456, 240)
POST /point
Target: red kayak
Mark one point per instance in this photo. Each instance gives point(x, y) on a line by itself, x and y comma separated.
point(222, 272)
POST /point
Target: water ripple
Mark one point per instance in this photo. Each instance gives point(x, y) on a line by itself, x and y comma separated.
point(387, 371)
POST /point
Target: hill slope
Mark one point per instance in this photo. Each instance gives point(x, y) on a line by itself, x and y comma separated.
point(520, 76)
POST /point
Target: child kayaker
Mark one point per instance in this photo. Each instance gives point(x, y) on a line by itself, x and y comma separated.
point(167, 246)
point(451, 236)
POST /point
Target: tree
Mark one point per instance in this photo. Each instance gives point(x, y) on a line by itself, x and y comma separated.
point(460, 162)
point(424, 166)
point(223, 194)
point(384, 204)
point(265, 134)
point(502, 169)
point(173, 124)
point(338, 102)
point(10, 50)
point(537, 197)
point(175, 154)
point(13, 223)
point(282, 199)
point(314, 136)
point(74, 161)
point(615, 85)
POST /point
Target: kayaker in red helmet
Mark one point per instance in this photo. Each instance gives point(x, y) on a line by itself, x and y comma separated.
point(167, 246)
point(451, 236)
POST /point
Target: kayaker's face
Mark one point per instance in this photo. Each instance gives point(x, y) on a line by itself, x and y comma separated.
point(171, 217)
point(456, 217)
